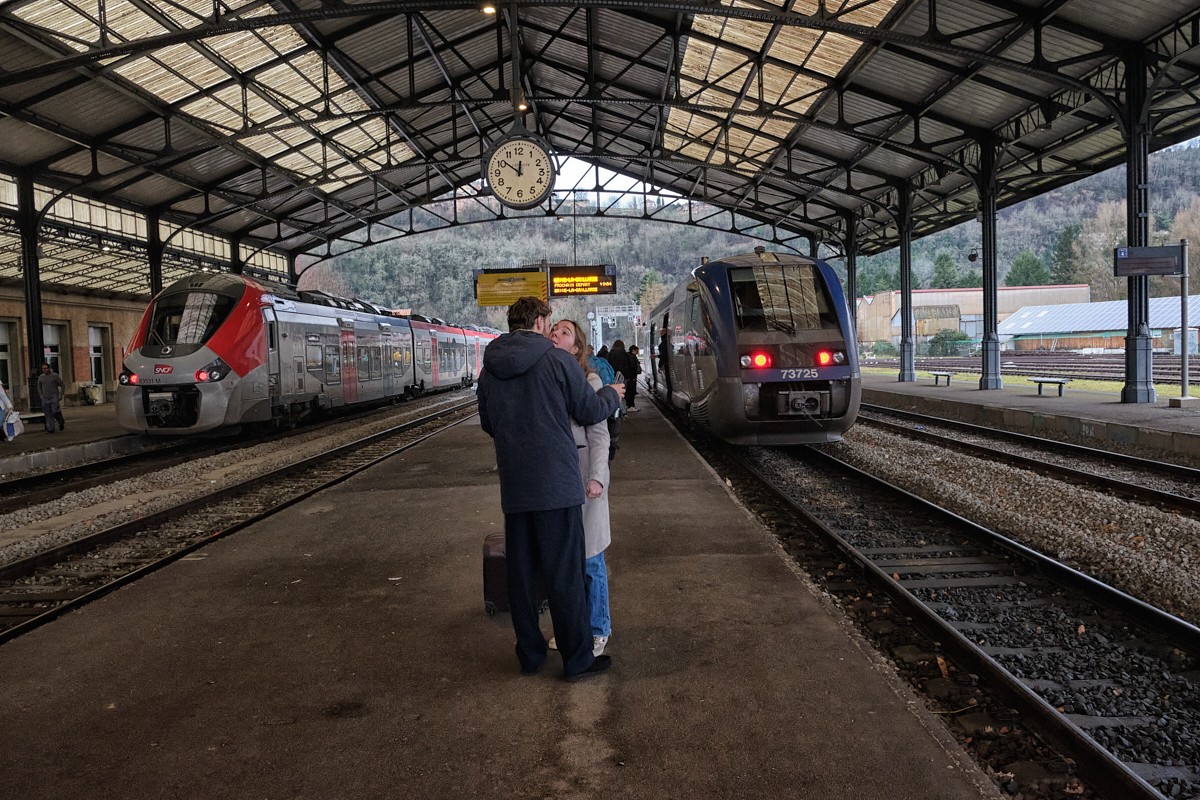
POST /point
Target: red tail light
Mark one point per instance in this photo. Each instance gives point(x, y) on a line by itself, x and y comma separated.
point(760, 360)
point(824, 358)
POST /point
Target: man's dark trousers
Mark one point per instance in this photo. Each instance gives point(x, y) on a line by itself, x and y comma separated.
point(550, 542)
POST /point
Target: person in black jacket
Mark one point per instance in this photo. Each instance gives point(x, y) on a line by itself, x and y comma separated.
point(528, 393)
point(664, 359)
point(627, 367)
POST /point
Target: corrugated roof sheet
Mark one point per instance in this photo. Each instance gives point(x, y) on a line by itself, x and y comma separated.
point(1113, 315)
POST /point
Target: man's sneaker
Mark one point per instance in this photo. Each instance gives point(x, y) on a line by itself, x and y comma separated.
point(598, 643)
point(634, 408)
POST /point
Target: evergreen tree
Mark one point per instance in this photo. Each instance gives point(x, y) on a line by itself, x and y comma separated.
point(1027, 270)
point(1063, 267)
point(945, 273)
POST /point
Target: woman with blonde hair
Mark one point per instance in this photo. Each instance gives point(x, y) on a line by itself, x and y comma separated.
point(592, 445)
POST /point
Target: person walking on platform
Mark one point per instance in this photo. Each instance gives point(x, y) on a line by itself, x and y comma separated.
point(50, 389)
point(591, 443)
point(529, 391)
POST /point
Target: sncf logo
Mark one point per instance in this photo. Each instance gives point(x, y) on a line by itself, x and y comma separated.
point(163, 369)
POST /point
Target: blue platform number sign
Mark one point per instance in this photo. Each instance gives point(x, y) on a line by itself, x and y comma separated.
point(1130, 262)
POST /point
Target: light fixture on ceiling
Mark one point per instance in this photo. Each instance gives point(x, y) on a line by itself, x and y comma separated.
point(488, 8)
point(519, 101)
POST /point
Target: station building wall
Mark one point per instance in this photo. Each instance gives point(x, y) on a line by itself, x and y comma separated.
point(85, 335)
point(878, 315)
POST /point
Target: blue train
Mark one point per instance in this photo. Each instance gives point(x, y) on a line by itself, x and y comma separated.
point(758, 349)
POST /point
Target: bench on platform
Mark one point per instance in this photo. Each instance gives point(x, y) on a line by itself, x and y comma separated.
point(1061, 383)
point(937, 377)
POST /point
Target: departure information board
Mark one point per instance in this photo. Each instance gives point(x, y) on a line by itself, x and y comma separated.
point(1134, 261)
point(570, 281)
point(503, 288)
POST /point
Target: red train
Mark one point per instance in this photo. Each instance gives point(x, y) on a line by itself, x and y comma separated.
point(220, 350)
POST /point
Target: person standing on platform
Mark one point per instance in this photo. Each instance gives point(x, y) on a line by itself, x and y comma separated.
point(664, 360)
point(591, 443)
point(50, 389)
point(621, 361)
point(601, 367)
point(9, 418)
point(529, 391)
point(631, 386)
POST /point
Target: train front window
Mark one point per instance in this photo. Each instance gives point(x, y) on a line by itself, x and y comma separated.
point(780, 297)
point(188, 318)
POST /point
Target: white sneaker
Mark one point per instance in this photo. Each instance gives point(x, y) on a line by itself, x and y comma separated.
point(634, 408)
point(553, 645)
point(598, 643)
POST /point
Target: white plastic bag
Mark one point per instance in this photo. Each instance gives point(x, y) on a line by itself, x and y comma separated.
point(13, 427)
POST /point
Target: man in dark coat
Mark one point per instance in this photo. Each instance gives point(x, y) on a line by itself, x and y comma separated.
point(528, 393)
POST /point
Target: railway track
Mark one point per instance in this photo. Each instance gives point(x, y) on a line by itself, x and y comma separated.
point(1063, 686)
point(1170, 486)
point(1165, 369)
point(43, 586)
point(23, 491)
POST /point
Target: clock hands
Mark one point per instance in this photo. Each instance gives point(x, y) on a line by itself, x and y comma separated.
point(519, 168)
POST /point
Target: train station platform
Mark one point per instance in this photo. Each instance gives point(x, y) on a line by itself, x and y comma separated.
point(1096, 419)
point(340, 650)
point(91, 433)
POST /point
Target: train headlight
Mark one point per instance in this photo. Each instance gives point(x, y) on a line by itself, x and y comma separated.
point(827, 357)
point(758, 359)
point(212, 372)
point(128, 377)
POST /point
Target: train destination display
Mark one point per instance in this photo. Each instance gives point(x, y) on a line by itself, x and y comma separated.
point(569, 281)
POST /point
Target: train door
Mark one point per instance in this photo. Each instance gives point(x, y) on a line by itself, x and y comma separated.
point(349, 363)
point(433, 358)
point(692, 341)
point(271, 324)
point(386, 349)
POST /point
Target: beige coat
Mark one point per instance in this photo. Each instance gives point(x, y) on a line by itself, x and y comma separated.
point(592, 445)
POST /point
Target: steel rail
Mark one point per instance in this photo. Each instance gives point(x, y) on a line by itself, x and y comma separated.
point(1081, 477)
point(1096, 765)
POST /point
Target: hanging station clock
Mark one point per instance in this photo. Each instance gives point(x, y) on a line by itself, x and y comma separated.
point(519, 170)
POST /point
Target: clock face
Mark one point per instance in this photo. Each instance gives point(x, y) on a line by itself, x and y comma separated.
point(520, 172)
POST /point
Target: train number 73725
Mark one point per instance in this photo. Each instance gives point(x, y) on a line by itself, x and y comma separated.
point(798, 374)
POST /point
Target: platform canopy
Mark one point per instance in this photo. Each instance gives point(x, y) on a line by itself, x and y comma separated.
point(301, 128)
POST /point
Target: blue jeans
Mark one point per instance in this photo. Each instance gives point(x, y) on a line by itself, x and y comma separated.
point(595, 580)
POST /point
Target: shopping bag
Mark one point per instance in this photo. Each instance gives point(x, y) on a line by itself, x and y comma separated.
point(13, 427)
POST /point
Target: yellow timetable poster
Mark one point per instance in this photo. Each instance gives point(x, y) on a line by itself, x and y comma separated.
point(503, 288)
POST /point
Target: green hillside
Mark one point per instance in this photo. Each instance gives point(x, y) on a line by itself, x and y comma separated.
point(1065, 236)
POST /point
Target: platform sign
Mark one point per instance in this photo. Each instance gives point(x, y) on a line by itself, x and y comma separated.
point(571, 281)
point(503, 288)
point(1131, 262)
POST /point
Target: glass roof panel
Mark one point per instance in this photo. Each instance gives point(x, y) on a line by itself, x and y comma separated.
point(204, 79)
point(721, 58)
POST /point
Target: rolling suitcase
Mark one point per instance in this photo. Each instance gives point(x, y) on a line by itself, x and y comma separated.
point(495, 577)
point(495, 574)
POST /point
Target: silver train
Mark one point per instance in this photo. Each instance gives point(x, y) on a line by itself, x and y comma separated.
point(758, 349)
point(220, 350)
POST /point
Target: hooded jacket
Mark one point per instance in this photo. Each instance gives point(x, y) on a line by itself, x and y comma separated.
point(529, 391)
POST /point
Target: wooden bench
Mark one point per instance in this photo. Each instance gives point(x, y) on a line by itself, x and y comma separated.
point(1061, 383)
point(937, 377)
